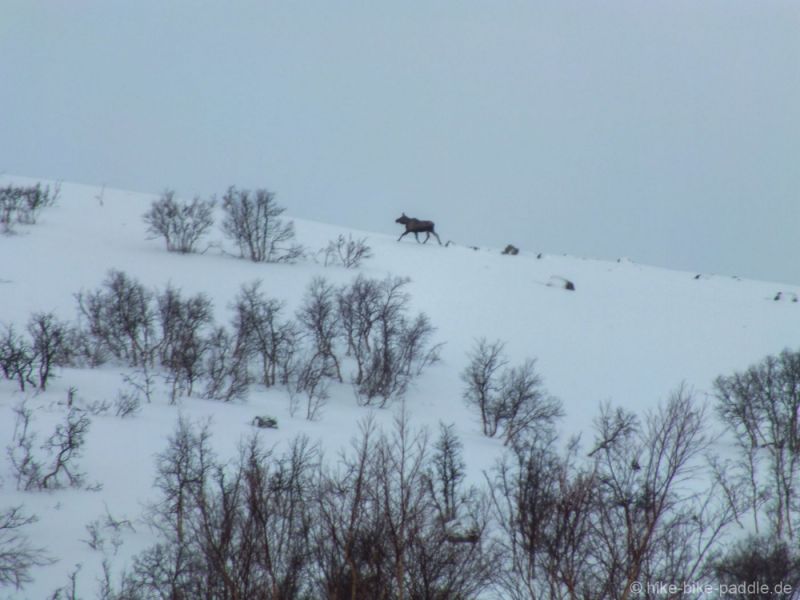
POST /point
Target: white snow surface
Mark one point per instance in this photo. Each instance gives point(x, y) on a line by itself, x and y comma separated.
point(629, 334)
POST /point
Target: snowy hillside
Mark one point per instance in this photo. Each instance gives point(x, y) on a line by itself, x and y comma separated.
point(628, 333)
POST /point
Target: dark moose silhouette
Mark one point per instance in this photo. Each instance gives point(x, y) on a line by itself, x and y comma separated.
point(416, 227)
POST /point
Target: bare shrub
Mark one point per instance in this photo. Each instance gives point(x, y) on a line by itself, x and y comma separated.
point(481, 378)
point(226, 371)
point(309, 380)
point(660, 512)
point(107, 529)
point(181, 224)
point(275, 516)
point(415, 349)
point(447, 473)
point(172, 568)
point(262, 335)
point(68, 591)
point(359, 312)
point(139, 383)
point(88, 352)
point(17, 555)
point(761, 408)
point(544, 506)
point(274, 525)
point(26, 466)
point(98, 408)
point(253, 221)
point(389, 347)
point(120, 318)
point(239, 531)
point(346, 252)
point(17, 359)
point(526, 408)
point(127, 404)
point(65, 446)
point(22, 204)
point(513, 401)
point(349, 540)
point(640, 510)
point(183, 341)
point(51, 344)
point(57, 468)
point(378, 532)
point(320, 320)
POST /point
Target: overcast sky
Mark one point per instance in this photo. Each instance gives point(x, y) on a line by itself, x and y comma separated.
point(667, 132)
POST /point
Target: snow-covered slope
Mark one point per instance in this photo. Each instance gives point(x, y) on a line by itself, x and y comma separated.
point(628, 333)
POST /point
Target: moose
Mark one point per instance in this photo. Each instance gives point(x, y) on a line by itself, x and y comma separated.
point(416, 227)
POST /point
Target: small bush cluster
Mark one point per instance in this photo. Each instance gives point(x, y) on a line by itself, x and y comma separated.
point(17, 555)
point(22, 204)
point(181, 224)
point(510, 400)
point(586, 526)
point(30, 360)
point(119, 320)
point(125, 321)
point(346, 252)
point(265, 339)
point(389, 345)
point(253, 221)
point(182, 342)
point(393, 517)
point(288, 526)
point(56, 467)
point(760, 407)
point(163, 332)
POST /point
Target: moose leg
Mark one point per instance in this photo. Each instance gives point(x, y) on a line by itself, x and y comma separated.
point(403, 234)
point(437, 237)
point(416, 236)
point(427, 237)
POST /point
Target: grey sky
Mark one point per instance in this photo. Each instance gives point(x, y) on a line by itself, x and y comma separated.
point(668, 132)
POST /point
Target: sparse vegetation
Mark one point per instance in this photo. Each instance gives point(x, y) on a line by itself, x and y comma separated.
point(16, 358)
point(288, 526)
point(183, 338)
point(394, 516)
point(389, 347)
point(51, 344)
point(30, 361)
point(761, 409)
point(56, 467)
point(120, 319)
point(321, 323)
point(512, 401)
point(347, 252)
point(17, 555)
point(253, 222)
point(265, 341)
point(579, 528)
point(225, 368)
point(181, 224)
point(22, 204)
